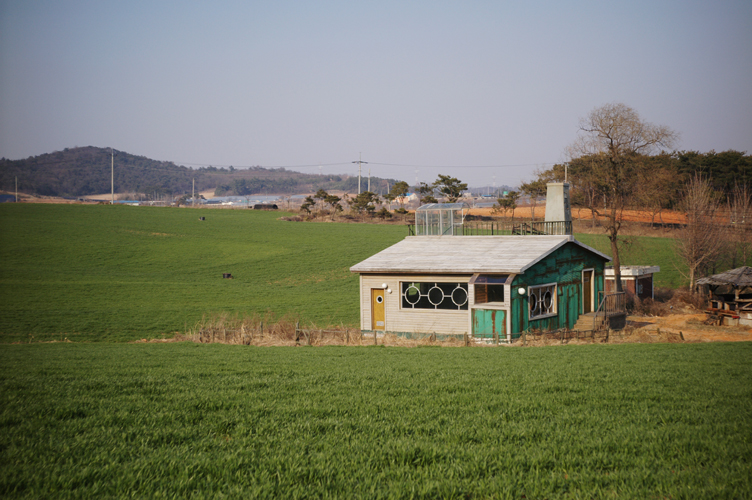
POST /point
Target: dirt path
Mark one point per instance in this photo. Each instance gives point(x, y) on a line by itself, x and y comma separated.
point(692, 327)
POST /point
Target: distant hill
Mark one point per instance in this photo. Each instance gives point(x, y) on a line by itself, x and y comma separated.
point(76, 172)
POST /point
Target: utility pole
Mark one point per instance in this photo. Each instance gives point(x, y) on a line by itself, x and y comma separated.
point(16, 189)
point(112, 178)
point(193, 194)
point(369, 175)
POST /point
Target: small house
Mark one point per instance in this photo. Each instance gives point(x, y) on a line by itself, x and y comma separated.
point(485, 286)
point(451, 280)
point(635, 280)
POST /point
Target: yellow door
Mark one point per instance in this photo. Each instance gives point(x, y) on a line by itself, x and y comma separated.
point(378, 320)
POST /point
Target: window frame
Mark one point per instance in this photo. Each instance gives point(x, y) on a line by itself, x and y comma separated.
point(419, 305)
point(553, 309)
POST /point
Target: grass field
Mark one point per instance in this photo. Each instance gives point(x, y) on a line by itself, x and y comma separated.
point(121, 273)
point(118, 273)
point(192, 420)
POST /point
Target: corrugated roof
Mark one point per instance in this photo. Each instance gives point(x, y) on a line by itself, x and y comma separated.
point(739, 277)
point(465, 254)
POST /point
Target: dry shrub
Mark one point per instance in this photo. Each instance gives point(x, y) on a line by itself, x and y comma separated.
point(265, 330)
point(650, 307)
point(686, 299)
point(668, 301)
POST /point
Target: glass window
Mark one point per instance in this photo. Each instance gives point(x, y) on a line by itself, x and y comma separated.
point(542, 300)
point(434, 295)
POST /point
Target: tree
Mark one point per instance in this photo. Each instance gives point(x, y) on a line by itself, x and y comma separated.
point(658, 187)
point(740, 219)
point(426, 193)
point(534, 189)
point(450, 187)
point(617, 132)
point(307, 204)
point(321, 196)
point(701, 240)
point(507, 202)
point(399, 191)
point(333, 201)
point(365, 202)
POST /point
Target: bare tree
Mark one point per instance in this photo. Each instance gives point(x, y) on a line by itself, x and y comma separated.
point(617, 132)
point(534, 190)
point(701, 241)
point(740, 220)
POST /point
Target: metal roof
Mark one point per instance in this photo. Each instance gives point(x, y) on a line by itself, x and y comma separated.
point(740, 277)
point(443, 206)
point(466, 255)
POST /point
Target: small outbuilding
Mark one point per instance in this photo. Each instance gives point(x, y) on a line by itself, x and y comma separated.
point(635, 280)
point(484, 286)
point(729, 296)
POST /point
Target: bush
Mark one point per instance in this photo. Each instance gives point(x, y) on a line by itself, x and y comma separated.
point(384, 213)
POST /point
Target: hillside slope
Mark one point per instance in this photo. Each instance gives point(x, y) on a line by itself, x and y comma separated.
point(83, 171)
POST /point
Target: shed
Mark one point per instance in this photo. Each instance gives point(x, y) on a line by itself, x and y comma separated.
point(730, 295)
point(635, 280)
point(485, 286)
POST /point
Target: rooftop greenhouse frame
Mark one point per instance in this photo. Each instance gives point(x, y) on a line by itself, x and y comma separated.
point(439, 219)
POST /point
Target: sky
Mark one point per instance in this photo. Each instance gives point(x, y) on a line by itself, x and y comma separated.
point(486, 91)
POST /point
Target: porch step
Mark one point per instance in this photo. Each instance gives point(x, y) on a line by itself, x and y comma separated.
point(584, 322)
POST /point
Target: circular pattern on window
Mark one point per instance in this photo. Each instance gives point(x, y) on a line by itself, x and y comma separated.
point(412, 295)
point(547, 300)
point(379, 299)
point(435, 295)
point(533, 302)
point(459, 296)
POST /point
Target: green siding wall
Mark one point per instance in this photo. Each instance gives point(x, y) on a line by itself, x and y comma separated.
point(563, 267)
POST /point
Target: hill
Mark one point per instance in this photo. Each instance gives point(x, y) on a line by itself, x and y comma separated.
point(75, 172)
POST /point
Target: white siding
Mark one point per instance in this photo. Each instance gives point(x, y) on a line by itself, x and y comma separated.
point(412, 320)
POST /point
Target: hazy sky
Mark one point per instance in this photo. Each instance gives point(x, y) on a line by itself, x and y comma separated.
point(482, 90)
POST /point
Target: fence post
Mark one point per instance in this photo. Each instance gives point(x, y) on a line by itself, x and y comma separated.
point(297, 333)
point(347, 336)
point(262, 330)
point(375, 338)
point(467, 339)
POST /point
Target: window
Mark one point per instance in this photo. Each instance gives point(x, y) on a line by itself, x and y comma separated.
point(433, 295)
point(488, 288)
point(542, 301)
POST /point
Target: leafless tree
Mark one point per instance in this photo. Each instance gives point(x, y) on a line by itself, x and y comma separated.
point(617, 132)
point(534, 190)
point(740, 221)
point(701, 241)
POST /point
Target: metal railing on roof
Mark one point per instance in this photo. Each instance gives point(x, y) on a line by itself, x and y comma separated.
point(500, 228)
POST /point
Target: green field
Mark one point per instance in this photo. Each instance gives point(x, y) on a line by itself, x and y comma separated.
point(193, 420)
point(120, 273)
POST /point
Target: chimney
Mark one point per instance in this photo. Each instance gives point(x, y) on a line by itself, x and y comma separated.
point(558, 208)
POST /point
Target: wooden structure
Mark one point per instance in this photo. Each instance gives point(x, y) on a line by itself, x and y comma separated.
point(729, 296)
point(490, 287)
point(635, 280)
